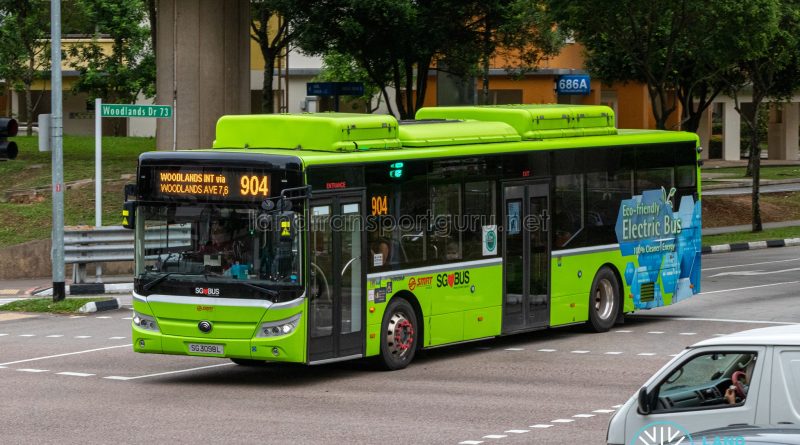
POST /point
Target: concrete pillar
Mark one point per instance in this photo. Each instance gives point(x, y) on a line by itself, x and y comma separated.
point(704, 131)
point(782, 131)
point(205, 44)
point(731, 133)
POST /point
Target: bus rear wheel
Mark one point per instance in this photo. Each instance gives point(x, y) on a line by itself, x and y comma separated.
point(399, 334)
point(604, 301)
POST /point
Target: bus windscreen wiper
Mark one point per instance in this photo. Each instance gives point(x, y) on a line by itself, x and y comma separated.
point(155, 281)
point(270, 292)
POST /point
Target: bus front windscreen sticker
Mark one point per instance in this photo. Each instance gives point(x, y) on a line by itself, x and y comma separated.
point(666, 247)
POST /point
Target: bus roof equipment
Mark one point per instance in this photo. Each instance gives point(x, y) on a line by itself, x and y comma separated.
point(441, 126)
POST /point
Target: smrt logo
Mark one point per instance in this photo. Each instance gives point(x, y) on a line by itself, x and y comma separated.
point(414, 283)
point(206, 291)
point(452, 279)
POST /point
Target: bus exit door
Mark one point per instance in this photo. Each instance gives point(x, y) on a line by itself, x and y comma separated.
point(336, 280)
point(526, 242)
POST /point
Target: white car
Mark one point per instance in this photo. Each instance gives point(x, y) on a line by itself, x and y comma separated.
point(747, 378)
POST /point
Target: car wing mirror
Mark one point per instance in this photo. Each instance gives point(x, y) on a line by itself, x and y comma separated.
point(644, 401)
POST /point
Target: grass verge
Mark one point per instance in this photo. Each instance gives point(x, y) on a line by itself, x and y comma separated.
point(780, 172)
point(66, 306)
point(743, 237)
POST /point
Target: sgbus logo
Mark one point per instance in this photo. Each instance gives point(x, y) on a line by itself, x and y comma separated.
point(206, 291)
point(452, 279)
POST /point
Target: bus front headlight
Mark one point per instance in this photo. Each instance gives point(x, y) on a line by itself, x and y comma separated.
point(145, 322)
point(281, 327)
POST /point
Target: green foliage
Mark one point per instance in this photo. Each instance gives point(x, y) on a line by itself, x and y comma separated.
point(24, 49)
point(338, 67)
point(684, 46)
point(120, 75)
point(394, 41)
point(272, 42)
point(66, 306)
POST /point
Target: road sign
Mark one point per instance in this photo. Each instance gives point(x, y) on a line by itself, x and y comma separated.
point(334, 89)
point(124, 110)
point(574, 84)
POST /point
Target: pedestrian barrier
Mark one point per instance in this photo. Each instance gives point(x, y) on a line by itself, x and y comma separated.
point(114, 244)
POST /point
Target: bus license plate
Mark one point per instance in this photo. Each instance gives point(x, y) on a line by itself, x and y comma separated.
point(206, 349)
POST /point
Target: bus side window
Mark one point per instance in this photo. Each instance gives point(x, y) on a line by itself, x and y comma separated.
point(567, 210)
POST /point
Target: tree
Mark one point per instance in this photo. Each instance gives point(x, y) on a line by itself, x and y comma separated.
point(342, 68)
point(272, 27)
point(680, 49)
point(522, 31)
point(394, 41)
point(128, 69)
point(24, 52)
point(773, 73)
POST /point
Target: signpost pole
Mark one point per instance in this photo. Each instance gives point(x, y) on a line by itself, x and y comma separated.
point(98, 175)
point(59, 290)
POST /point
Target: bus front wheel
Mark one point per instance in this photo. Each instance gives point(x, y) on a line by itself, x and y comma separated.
point(399, 334)
point(604, 301)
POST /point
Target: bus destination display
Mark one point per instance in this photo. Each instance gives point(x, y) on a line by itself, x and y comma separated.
point(224, 184)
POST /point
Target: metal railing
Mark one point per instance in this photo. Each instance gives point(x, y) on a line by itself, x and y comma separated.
point(112, 244)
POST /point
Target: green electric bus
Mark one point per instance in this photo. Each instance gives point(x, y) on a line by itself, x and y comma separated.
point(321, 237)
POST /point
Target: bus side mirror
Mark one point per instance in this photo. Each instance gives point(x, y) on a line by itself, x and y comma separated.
point(129, 214)
point(644, 401)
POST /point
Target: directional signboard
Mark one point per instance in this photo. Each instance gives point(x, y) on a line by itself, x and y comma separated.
point(334, 89)
point(124, 110)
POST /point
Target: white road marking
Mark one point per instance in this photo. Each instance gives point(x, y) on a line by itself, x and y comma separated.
point(579, 352)
point(115, 338)
point(75, 374)
point(583, 416)
point(656, 332)
point(517, 431)
point(748, 287)
point(495, 436)
point(470, 442)
point(78, 316)
point(750, 264)
point(540, 425)
point(547, 350)
point(83, 336)
point(104, 316)
point(613, 353)
point(604, 411)
point(54, 336)
point(624, 331)
point(751, 273)
point(65, 354)
point(116, 377)
point(617, 406)
point(31, 370)
point(727, 320)
point(27, 335)
point(688, 333)
point(562, 421)
point(719, 335)
point(646, 353)
point(515, 349)
point(674, 355)
point(3, 335)
point(127, 318)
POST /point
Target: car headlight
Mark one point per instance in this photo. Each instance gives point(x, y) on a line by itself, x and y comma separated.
point(145, 322)
point(281, 327)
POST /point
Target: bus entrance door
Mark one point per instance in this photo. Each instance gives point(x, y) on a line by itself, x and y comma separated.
point(526, 243)
point(336, 281)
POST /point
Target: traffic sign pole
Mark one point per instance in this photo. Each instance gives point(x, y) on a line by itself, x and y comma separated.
point(57, 129)
point(98, 175)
